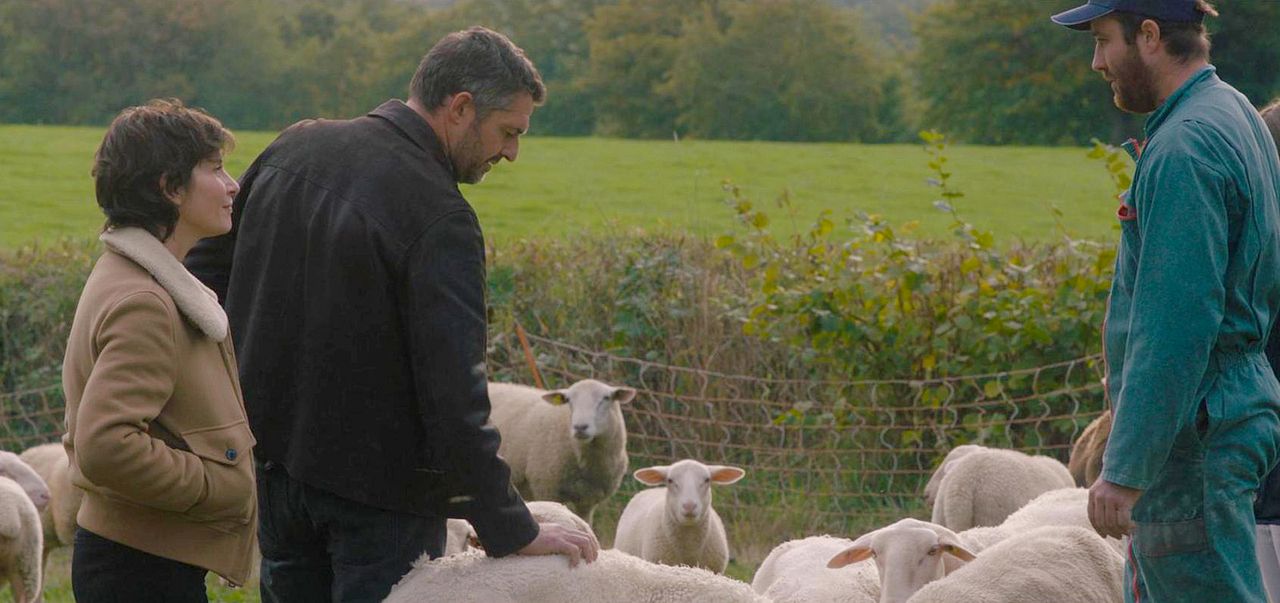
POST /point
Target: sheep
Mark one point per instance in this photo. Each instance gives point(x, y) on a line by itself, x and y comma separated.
point(13, 467)
point(984, 486)
point(21, 541)
point(796, 572)
point(461, 536)
point(931, 488)
point(1059, 563)
point(1085, 462)
point(614, 576)
point(59, 516)
point(471, 577)
point(567, 445)
point(1065, 507)
point(675, 524)
point(908, 554)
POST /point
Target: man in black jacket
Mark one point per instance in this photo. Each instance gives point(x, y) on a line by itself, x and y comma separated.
point(354, 282)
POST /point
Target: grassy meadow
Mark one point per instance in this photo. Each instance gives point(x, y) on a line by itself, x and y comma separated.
point(563, 186)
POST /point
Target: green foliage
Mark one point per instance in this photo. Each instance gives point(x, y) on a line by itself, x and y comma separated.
point(39, 286)
point(817, 79)
point(870, 301)
point(1246, 51)
point(999, 72)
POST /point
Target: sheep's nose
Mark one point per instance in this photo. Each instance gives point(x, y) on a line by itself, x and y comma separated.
point(580, 432)
point(689, 507)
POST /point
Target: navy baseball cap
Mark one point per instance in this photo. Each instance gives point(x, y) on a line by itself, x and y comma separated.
point(1177, 11)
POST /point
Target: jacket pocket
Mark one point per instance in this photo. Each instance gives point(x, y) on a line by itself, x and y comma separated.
point(1171, 538)
point(226, 454)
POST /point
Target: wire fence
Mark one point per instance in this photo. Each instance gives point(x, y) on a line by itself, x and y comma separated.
point(837, 455)
point(833, 455)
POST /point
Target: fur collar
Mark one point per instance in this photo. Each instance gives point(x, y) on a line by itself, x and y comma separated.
point(196, 301)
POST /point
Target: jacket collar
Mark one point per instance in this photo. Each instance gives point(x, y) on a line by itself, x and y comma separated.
point(1207, 74)
point(196, 301)
point(405, 119)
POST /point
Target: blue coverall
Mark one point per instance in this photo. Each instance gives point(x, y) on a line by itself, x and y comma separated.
point(1196, 290)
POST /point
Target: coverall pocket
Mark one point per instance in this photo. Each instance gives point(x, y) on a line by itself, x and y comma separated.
point(1170, 538)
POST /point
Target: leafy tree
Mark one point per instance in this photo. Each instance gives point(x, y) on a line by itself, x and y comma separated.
point(815, 79)
point(1246, 47)
point(999, 72)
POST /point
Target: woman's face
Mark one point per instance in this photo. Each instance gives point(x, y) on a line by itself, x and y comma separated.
point(204, 204)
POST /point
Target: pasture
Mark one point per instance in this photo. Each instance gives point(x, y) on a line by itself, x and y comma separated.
point(564, 186)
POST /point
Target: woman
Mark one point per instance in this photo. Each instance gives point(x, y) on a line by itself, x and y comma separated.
point(157, 435)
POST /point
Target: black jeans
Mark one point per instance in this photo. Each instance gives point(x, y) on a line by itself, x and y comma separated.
point(318, 547)
point(105, 571)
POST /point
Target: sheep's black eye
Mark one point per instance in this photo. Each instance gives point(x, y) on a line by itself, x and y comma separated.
point(706, 480)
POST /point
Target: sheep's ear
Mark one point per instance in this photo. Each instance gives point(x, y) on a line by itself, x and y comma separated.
point(850, 556)
point(623, 395)
point(556, 397)
point(724, 474)
point(956, 551)
point(652, 476)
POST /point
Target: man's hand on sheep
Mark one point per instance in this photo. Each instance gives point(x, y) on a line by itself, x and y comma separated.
point(555, 539)
point(1111, 508)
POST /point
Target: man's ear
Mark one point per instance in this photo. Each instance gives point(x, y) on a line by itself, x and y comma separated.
point(1149, 36)
point(461, 108)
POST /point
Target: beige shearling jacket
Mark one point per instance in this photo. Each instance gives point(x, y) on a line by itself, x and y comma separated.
point(157, 434)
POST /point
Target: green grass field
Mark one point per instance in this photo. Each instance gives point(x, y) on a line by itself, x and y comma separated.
point(561, 186)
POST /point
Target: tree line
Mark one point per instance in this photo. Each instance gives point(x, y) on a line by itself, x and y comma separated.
point(987, 71)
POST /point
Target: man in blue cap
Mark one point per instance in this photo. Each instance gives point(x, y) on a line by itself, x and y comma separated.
point(1196, 291)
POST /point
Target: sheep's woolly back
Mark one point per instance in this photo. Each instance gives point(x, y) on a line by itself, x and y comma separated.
point(59, 516)
point(1085, 462)
point(1060, 564)
point(546, 462)
point(614, 576)
point(986, 486)
point(796, 572)
point(1065, 507)
point(21, 541)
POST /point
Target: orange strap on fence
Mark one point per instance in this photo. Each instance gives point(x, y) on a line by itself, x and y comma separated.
point(528, 356)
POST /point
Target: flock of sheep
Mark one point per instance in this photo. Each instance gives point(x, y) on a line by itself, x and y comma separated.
point(1005, 526)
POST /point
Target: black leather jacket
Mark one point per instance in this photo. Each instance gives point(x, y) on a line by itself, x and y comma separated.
point(354, 281)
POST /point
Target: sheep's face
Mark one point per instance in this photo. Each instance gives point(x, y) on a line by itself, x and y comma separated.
point(593, 406)
point(16, 469)
point(688, 484)
point(908, 554)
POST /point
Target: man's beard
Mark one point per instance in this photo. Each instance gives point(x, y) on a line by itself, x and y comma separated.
point(1134, 87)
point(469, 163)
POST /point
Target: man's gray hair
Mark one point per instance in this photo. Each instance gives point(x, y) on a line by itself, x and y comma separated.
point(480, 61)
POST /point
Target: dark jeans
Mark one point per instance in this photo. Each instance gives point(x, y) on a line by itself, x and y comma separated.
point(317, 546)
point(105, 571)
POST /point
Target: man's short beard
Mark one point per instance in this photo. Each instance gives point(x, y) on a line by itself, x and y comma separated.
point(1135, 89)
point(467, 159)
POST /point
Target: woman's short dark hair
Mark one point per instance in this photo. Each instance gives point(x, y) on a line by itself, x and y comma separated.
point(147, 154)
point(1184, 41)
point(480, 61)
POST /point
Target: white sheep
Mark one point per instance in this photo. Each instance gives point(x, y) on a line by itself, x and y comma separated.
point(1060, 564)
point(13, 467)
point(931, 488)
point(614, 576)
point(796, 572)
point(675, 524)
point(908, 554)
point(1065, 507)
point(984, 487)
point(21, 541)
point(461, 535)
point(567, 445)
point(59, 515)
